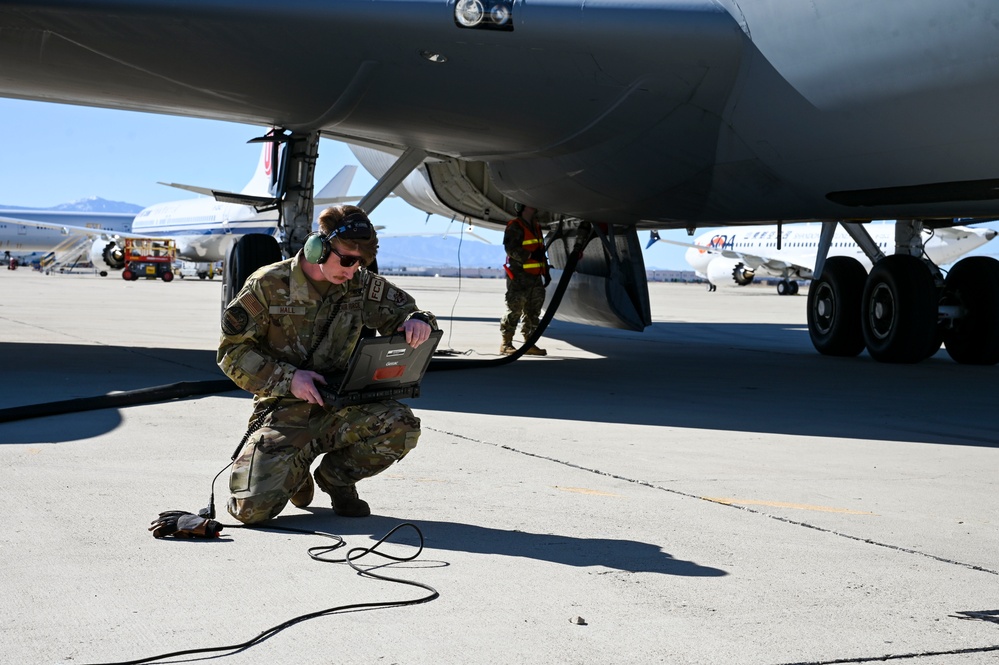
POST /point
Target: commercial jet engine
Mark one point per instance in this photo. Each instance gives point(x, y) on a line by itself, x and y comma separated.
point(729, 272)
point(106, 255)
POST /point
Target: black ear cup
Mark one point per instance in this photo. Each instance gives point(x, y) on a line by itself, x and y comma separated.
point(316, 250)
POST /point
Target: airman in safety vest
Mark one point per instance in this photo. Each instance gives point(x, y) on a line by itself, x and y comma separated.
point(526, 279)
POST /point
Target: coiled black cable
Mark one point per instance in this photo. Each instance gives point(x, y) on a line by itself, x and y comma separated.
point(317, 553)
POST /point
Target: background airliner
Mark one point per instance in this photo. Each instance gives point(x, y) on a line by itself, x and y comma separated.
point(24, 231)
point(735, 255)
point(203, 229)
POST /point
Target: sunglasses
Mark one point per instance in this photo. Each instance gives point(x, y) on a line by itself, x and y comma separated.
point(347, 261)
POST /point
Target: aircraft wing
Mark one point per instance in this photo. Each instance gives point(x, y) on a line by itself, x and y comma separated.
point(65, 228)
point(70, 229)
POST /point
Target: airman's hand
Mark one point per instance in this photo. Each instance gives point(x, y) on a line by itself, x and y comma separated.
point(303, 386)
point(417, 332)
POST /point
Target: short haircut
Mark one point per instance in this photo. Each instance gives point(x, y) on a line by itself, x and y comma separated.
point(334, 216)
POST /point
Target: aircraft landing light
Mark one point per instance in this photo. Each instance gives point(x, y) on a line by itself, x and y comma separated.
point(782, 504)
point(484, 14)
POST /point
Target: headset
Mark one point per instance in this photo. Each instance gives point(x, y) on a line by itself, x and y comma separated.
point(317, 247)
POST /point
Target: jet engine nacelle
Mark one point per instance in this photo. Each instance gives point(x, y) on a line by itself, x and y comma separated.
point(729, 272)
point(107, 255)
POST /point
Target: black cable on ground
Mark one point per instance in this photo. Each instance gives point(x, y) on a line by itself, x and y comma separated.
point(115, 400)
point(317, 553)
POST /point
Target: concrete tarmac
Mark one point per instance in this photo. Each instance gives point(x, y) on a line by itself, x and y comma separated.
point(709, 491)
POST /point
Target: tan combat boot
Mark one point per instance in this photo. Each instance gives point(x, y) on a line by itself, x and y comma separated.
point(506, 348)
point(303, 495)
point(535, 351)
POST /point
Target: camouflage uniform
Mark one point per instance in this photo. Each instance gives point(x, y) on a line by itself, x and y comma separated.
point(267, 333)
point(525, 293)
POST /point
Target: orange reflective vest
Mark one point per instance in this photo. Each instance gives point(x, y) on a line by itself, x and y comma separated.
point(533, 241)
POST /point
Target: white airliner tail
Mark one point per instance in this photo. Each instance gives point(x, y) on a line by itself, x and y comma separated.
point(264, 182)
point(265, 179)
point(335, 190)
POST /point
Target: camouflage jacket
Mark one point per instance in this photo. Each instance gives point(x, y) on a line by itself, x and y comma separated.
point(272, 324)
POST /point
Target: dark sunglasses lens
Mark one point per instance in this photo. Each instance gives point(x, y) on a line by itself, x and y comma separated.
point(346, 261)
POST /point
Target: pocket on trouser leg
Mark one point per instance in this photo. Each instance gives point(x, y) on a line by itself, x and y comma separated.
point(239, 475)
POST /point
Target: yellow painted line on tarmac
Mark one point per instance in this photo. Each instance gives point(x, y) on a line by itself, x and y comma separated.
point(782, 504)
point(583, 490)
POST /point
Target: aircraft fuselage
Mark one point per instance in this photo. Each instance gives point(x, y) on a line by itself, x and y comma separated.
point(655, 113)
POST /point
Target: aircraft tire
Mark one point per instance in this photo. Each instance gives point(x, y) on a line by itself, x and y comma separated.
point(973, 283)
point(247, 254)
point(834, 308)
point(899, 314)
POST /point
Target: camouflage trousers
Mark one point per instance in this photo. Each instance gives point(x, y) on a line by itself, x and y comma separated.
point(525, 295)
point(356, 442)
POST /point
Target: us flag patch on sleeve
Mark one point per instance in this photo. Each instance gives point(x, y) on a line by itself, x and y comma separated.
point(251, 304)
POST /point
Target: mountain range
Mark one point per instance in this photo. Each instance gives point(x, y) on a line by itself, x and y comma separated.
point(89, 204)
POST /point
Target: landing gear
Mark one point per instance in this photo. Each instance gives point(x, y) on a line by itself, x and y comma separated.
point(972, 286)
point(904, 310)
point(834, 308)
point(899, 315)
point(787, 287)
point(242, 260)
